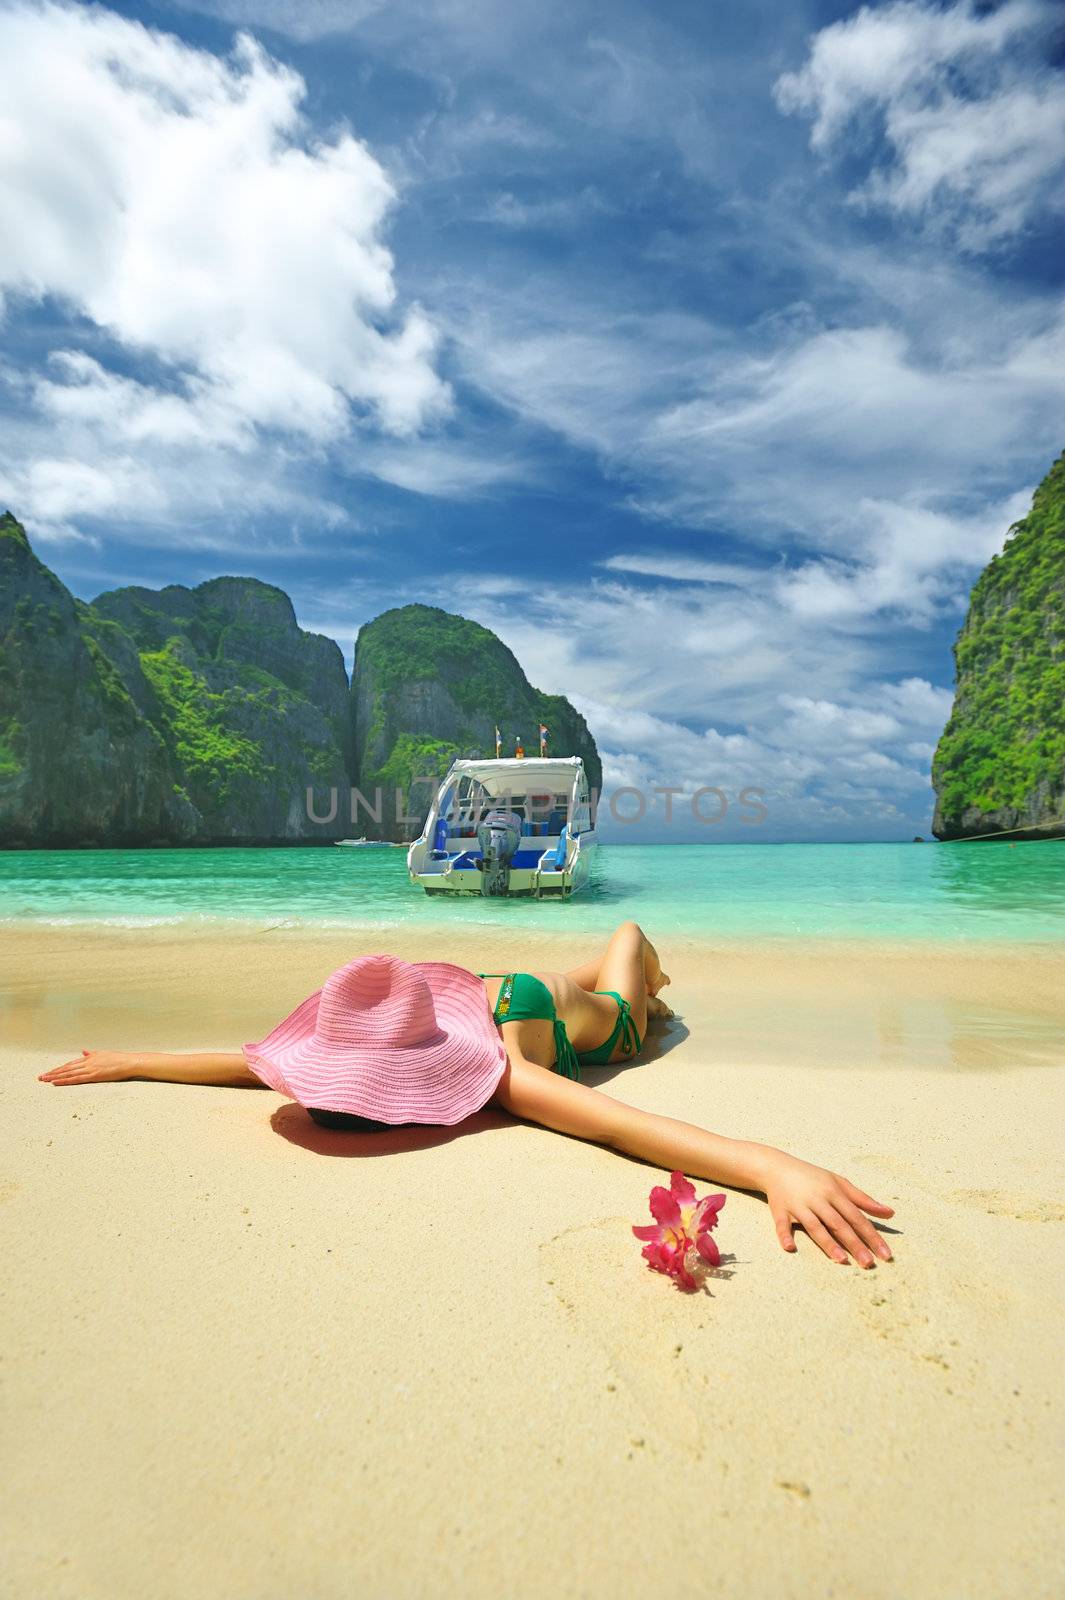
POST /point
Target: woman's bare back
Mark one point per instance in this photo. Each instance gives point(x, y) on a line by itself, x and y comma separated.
point(589, 1018)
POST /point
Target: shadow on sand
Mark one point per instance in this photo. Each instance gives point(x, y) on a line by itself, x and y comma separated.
point(663, 1035)
point(295, 1124)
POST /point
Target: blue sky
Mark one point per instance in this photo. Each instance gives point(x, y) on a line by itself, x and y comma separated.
point(705, 351)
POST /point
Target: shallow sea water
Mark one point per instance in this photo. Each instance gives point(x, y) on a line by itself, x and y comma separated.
point(943, 892)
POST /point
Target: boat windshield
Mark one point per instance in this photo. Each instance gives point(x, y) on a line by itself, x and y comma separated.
point(472, 801)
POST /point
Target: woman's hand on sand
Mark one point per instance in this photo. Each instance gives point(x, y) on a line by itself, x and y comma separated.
point(830, 1209)
point(95, 1066)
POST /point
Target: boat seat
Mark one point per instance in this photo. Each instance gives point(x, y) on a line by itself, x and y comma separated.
point(556, 857)
point(466, 858)
point(529, 857)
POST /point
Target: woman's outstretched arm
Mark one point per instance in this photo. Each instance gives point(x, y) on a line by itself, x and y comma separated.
point(829, 1207)
point(225, 1069)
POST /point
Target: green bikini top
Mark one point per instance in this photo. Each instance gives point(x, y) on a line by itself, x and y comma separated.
point(524, 998)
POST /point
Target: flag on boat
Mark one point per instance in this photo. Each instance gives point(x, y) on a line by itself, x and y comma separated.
point(499, 743)
point(543, 740)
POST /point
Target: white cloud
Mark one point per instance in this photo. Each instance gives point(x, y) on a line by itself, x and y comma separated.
point(807, 435)
point(472, 131)
point(448, 469)
point(973, 117)
point(59, 488)
point(136, 413)
point(915, 702)
point(821, 766)
point(911, 560)
point(298, 19)
point(180, 202)
point(561, 212)
point(860, 400)
point(106, 449)
point(694, 684)
point(874, 455)
point(811, 720)
point(686, 569)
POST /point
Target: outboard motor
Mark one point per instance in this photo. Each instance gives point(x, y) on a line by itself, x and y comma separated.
point(498, 835)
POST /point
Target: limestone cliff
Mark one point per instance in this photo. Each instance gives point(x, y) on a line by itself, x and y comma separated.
point(79, 760)
point(203, 715)
point(173, 716)
point(251, 709)
point(1000, 764)
point(428, 687)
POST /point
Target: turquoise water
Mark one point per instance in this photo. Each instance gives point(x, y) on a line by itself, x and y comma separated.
point(886, 891)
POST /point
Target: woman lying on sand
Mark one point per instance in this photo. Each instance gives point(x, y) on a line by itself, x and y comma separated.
point(385, 1043)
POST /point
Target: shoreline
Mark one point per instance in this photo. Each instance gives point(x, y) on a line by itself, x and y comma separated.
point(208, 925)
point(788, 1002)
point(1008, 836)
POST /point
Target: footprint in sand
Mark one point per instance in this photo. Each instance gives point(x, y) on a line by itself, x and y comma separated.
point(913, 1319)
point(895, 1308)
point(895, 1168)
point(996, 1202)
point(1001, 1203)
point(914, 1307)
point(645, 1334)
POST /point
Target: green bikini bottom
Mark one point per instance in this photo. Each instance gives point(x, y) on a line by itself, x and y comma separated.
point(523, 998)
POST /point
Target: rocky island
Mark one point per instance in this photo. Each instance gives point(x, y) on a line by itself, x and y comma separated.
point(202, 715)
point(1000, 764)
point(428, 687)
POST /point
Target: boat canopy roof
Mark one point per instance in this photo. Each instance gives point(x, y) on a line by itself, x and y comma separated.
point(521, 774)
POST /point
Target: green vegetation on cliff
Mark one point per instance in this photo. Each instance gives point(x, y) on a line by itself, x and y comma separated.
point(252, 710)
point(1000, 764)
point(206, 714)
point(430, 686)
point(175, 714)
point(415, 756)
point(208, 748)
point(10, 760)
point(419, 643)
point(77, 759)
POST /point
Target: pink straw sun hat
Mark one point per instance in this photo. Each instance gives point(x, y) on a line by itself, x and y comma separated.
point(388, 1040)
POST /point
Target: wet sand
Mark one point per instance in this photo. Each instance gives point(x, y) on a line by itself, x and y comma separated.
point(248, 1357)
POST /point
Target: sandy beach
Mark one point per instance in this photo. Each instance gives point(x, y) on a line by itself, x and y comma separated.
point(245, 1357)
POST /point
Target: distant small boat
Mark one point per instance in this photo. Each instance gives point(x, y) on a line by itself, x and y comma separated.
point(507, 827)
point(366, 844)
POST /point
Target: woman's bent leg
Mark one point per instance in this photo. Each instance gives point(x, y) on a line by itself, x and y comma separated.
point(587, 975)
point(630, 966)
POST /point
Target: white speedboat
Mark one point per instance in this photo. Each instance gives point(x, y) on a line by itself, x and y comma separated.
point(521, 826)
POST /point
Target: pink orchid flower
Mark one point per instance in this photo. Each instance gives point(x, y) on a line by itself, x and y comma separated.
point(682, 1223)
